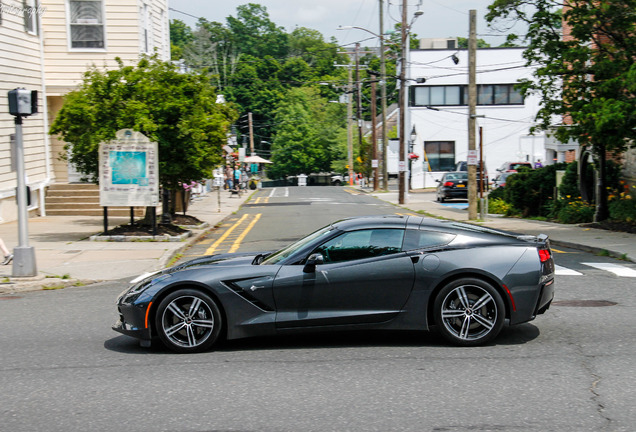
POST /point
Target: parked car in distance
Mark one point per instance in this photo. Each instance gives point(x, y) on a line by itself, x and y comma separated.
point(338, 180)
point(453, 184)
point(384, 273)
point(463, 166)
point(500, 180)
point(513, 166)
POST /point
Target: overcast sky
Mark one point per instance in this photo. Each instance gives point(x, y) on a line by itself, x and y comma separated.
point(442, 18)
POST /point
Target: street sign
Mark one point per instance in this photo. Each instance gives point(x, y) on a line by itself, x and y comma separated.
point(374, 163)
point(473, 157)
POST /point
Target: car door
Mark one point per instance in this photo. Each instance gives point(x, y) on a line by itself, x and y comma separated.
point(365, 278)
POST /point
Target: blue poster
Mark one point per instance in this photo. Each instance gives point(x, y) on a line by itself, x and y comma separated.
point(128, 167)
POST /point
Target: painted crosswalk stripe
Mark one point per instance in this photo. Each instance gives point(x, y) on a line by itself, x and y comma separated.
point(617, 269)
point(563, 271)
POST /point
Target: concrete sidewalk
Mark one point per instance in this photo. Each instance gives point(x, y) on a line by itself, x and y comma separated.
point(65, 255)
point(617, 244)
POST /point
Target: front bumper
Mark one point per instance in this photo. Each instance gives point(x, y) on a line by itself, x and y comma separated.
point(133, 321)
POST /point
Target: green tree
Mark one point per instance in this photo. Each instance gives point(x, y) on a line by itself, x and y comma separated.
point(309, 45)
point(180, 36)
point(255, 86)
point(588, 80)
point(222, 56)
point(256, 34)
point(307, 133)
point(462, 42)
point(178, 111)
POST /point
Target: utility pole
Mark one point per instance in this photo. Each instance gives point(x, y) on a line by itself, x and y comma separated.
point(402, 98)
point(385, 173)
point(349, 92)
point(349, 131)
point(249, 118)
point(358, 97)
point(374, 139)
point(472, 113)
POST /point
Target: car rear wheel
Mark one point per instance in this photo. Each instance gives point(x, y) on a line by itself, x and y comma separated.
point(188, 321)
point(469, 312)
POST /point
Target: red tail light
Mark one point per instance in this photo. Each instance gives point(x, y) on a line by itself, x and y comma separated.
point(449, 184)
point(544, 255)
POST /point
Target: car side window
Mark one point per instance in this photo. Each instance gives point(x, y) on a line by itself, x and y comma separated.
point(361, 244)
point(421, 239)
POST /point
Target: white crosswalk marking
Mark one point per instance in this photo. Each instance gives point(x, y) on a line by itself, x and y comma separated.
point(617, 269)
point(563, 271)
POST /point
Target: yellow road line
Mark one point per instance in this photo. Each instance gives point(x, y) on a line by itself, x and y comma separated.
point(216, 244)
point(240, 238)
point(558, 251)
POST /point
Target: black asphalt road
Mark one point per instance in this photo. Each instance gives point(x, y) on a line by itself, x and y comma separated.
point(63, 369)
point(276, 217)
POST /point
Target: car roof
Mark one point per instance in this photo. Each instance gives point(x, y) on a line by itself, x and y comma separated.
point(415, 222)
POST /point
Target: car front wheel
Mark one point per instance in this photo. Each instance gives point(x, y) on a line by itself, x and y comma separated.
point(188, 321)
point(469, 312)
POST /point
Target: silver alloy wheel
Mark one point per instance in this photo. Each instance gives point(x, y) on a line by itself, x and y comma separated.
point(469, 312)
point(187, 321)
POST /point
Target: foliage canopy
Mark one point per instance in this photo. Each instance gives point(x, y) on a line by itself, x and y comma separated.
point(178, 111)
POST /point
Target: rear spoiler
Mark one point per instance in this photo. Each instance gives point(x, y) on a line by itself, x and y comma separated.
point(541, 238)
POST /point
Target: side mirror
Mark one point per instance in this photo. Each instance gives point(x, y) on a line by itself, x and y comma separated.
point(312, 262)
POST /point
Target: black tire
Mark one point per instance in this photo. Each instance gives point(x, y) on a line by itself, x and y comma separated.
point(457, 318)
point(188, 321)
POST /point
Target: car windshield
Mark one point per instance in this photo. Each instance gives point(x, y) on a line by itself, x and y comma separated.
point(276, 257)
point(457, 176)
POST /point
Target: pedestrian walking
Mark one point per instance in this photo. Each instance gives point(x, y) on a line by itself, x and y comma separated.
point(538, 164)
point(229, 175)
point(8, 256)
point(237, 177)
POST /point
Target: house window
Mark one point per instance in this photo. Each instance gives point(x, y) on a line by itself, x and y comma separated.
point(498, 94)
point(30, 11)
point(437, 95)
point(87, 24)
point(457, 95)
point(440, 154)
point(146, 25)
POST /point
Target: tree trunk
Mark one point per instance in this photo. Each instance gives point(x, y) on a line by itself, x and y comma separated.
point(602, 209)
point(583, 186)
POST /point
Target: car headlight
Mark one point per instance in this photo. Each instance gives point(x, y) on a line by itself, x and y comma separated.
point(131, 294)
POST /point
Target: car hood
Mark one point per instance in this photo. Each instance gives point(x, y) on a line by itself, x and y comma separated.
point(227, 259)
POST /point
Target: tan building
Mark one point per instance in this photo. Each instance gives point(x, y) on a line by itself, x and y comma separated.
point(47, 46)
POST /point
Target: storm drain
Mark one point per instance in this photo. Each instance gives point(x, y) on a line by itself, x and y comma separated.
point(584, 303)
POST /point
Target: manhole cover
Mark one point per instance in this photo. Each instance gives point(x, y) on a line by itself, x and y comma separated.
point(584, 303)
point(9, 298)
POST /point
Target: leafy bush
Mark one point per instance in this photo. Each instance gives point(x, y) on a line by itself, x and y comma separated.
point(498, 206)
point(496, 194)
point(531, 190)
point(623, 206)
point(575, 211)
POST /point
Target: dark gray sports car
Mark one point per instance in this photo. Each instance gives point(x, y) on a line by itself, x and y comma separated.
point(391, 272)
